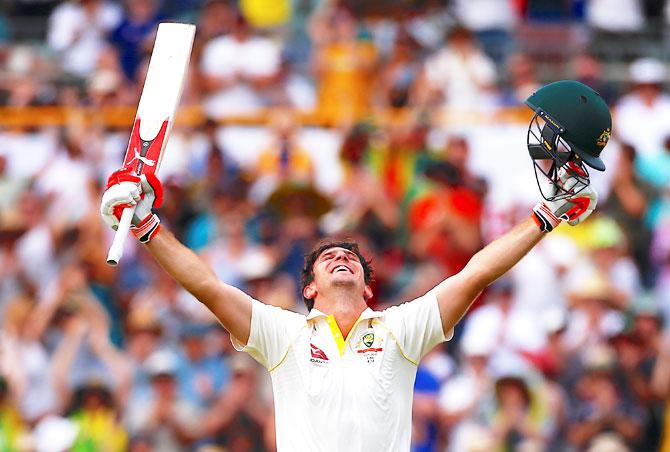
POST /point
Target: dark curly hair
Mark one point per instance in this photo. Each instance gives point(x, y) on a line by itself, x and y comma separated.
point(307, 274)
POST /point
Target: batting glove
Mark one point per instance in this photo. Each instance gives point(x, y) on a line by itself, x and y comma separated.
point(574, 210)
point(125, 189)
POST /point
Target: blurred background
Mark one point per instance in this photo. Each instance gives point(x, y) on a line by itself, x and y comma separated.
point(399, 123)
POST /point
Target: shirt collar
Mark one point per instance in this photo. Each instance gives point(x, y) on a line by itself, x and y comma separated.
point(365, 315)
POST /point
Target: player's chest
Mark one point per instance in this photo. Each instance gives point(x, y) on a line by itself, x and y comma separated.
point(365, 358)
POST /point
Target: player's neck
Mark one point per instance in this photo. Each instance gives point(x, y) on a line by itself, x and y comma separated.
point(345, 307)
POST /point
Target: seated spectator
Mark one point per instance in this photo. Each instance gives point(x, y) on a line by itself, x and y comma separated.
point(238, 421)
point(643, 115)
point(628, 204)
point(94, 412)
point(201, 375)
point(169, 420)
point(133, 37)
point(494, 31)
point(519, 422)
point(603, 415)
point(237, 68)
point(77, 32)
point(396, 83)
point(459, 75)
point(343, 64)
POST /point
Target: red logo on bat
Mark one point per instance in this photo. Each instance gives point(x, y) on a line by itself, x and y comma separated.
point(318, 353)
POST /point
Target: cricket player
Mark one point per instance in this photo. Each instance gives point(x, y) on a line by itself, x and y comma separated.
point(343, 375)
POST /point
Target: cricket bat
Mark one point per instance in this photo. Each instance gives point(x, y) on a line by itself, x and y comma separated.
point(155, 112)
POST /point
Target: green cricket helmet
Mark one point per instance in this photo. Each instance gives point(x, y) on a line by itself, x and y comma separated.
point(571, 126)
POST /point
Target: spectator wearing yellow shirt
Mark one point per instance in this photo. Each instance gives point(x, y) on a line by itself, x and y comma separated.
point(344, 67)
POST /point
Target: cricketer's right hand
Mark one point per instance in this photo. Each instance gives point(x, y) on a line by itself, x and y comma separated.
point(125, 189)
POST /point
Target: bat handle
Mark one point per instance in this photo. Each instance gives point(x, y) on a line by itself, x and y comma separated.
point(116, 250)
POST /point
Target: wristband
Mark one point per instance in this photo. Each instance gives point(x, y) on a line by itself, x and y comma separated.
point(147, 228)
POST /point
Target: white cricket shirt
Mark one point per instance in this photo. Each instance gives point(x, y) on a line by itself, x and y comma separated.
point(344, 394)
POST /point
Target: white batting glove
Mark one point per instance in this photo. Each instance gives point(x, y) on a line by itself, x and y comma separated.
point(125, 189)
point(574, 210)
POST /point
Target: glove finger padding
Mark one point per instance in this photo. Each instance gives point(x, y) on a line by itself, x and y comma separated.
point(116, 198)
point(585, 204)
point(126, 189)
point(574, 210)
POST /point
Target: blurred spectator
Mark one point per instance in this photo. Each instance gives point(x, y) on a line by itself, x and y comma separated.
point(96, 417)
point(603, 415)
point(344, 63)
point(464, 397)
point(240, 420)
point(444, 207)
point(201, 374)
point(643, 115)
point(459, 76)
point(67, 180)
point(519, 422)
point(493, 31)
point(628, 204)
point(283, 161)
point(615, 16)
point(511, 328)
point(77, 33)
point(133, 37)
point(522, 80)
point(396, 83)
point(589, 70)
point(237, 68)
point(169, 420)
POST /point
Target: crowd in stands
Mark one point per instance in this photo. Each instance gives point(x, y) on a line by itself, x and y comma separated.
point(326, 118)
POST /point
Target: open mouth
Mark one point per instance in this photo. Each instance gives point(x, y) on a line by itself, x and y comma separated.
point(342, 268)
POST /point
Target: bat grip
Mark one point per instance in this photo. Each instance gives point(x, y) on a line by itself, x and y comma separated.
point(116, 250)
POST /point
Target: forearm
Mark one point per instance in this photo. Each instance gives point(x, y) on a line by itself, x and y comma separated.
point(456, 294)
point(231, 306)
point(501, 255)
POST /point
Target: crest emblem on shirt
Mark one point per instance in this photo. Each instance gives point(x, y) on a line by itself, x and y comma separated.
point(365, 346)
point(368, 339)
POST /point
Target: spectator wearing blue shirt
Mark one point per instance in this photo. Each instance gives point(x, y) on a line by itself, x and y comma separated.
point(133, 37)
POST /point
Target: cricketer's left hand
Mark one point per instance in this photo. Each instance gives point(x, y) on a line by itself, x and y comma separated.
point(125, 189)
point(575, 209)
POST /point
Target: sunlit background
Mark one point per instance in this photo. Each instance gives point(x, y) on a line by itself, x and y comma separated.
point(398, 123)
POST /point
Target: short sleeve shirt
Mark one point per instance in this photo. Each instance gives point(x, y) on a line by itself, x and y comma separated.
point(333, 393)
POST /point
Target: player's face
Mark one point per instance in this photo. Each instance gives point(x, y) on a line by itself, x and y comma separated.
point(339, 266)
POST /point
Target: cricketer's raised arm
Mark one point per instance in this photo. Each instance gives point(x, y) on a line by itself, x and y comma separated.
point(231, 306)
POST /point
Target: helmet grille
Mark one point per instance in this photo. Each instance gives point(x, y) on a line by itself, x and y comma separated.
point(559, 172)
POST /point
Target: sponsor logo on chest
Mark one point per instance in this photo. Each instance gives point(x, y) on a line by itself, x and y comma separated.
point(319, 357)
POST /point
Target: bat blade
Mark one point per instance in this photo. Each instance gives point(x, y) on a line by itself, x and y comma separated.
point(155, 112)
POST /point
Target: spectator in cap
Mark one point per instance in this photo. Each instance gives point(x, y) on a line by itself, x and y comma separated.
point(166, 417)
point(518, 421)
point(643, 115)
